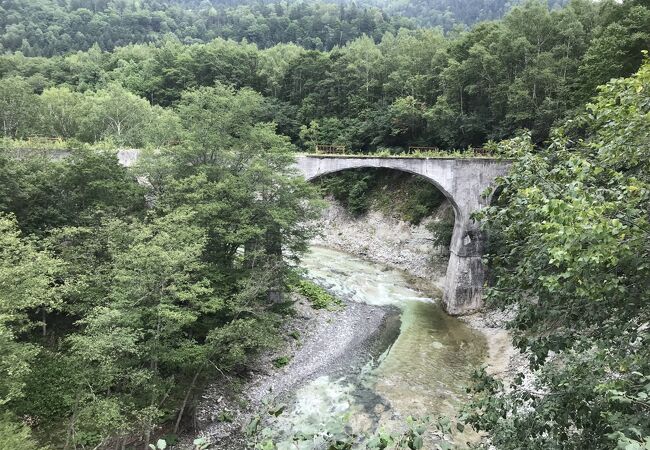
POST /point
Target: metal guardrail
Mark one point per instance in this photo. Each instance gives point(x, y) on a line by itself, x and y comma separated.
point(331, 149)
point(413, 149)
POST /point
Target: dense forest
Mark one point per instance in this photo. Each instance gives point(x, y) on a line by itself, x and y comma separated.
point(49, 27)
point(45, 28)
point(131, 295)
point(416, 87)
point(448, 13)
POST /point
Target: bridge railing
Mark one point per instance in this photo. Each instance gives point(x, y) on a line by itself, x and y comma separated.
point(410, 152)
point(413, 149)
point(330, 149)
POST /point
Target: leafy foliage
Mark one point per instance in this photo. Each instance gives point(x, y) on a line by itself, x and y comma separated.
point(317, 296)
point(338, 438)
point(49, 27)
point(570, 250)
point(16, 435)
point(281, 361)
point(442, 229)
point(369, 88)
point(131, 309)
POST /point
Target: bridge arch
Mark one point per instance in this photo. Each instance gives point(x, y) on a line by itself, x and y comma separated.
point(462, 182)
point(438, 186)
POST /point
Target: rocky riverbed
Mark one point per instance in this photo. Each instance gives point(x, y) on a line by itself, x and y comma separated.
point(317, 342)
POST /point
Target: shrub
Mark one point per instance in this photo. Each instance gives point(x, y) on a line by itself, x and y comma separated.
point(317, 296)
point(281, 361)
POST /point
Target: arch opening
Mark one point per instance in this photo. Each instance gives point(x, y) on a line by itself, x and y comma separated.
point(397, 216)
point(329, 172)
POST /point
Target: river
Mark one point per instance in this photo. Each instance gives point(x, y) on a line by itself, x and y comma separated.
point(422, 370)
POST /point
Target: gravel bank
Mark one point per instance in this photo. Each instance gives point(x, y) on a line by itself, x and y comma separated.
point(328, 343)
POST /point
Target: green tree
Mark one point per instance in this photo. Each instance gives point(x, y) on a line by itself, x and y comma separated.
point(75, 191)
point(274, 63)
point(62, 113)
point(18, 107)
point(234, 170)
point(115, 114)
point(141, 335)
point(16, 435)
point(569, 248)
point(616, 48)
point(27, 275)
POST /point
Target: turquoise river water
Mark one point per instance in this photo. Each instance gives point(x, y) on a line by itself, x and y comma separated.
point(423, 372)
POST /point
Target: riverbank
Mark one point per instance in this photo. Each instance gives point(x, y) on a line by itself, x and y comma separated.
point(321, 342)
point(385, 240)
point(317, 342)
point(404, 246)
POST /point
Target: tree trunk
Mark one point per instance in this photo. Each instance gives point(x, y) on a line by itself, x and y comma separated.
point(187, 397)
point(147, 437)
point(70, 430)
point(274, 255)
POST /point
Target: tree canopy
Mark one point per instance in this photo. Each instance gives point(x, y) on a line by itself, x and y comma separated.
point(569, 247)
point(130, 305)
point(405, 88)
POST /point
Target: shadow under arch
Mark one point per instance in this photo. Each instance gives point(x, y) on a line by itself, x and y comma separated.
point(415, 173)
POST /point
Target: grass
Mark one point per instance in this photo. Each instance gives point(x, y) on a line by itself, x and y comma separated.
point(317, 296)
point(281, 361)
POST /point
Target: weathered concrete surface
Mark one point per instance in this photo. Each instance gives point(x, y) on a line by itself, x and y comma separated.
point(463, 182)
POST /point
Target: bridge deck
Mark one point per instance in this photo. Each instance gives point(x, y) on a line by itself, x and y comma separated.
point(401, 156)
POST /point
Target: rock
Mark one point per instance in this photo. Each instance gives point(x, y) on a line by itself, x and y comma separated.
point(385, 240)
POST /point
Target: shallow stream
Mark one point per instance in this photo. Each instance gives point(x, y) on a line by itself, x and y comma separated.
point(423, 369)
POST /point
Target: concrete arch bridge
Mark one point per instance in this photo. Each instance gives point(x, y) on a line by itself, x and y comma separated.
point(463, 182)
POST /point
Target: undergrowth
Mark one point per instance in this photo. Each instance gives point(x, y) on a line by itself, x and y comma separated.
point(318, 297)
point(396, 194)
